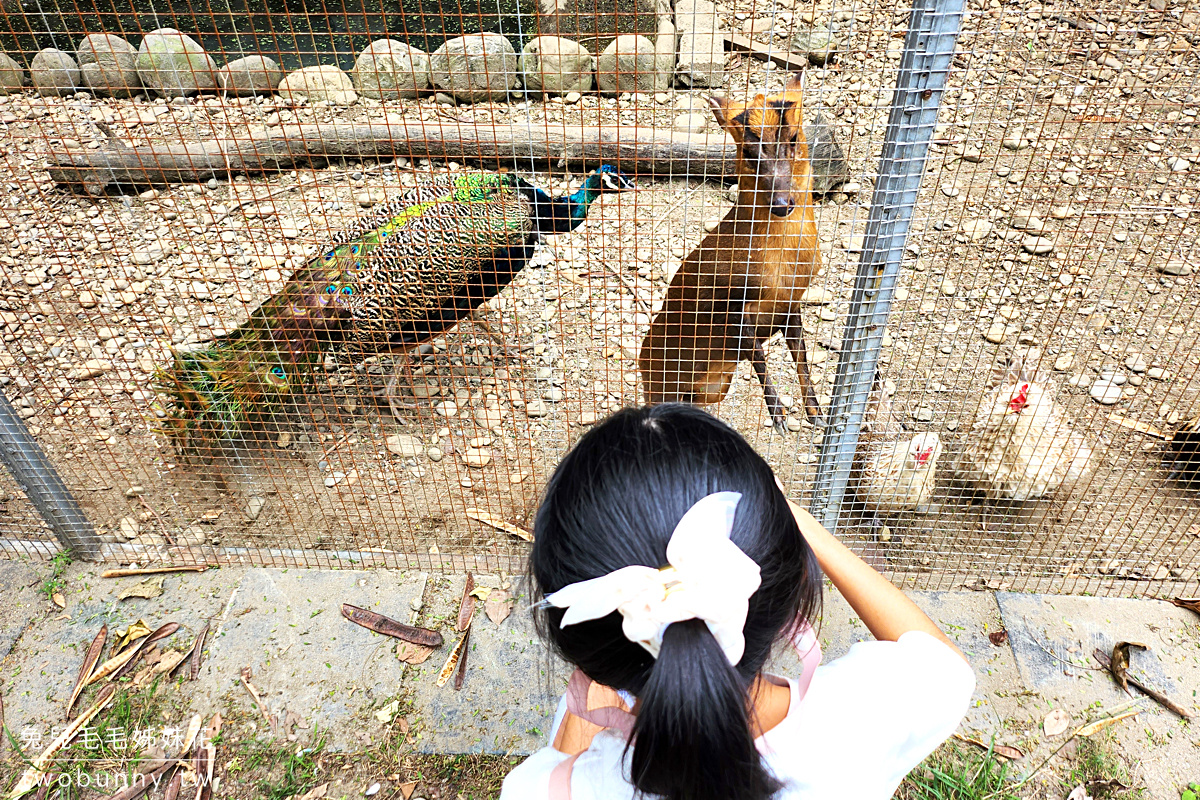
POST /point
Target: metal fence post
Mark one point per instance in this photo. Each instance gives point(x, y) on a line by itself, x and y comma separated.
point(928, 49)
point(31, 469)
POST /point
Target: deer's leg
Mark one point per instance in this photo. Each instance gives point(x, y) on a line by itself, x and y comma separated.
point(775, 408)
point(794, 336)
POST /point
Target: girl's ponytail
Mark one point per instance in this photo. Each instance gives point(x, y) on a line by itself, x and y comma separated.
point(693, 737)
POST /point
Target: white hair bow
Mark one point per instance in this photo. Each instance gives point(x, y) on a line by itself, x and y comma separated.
point(708, 578)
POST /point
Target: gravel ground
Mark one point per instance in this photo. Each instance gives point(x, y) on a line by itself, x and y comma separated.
point(1085, 122)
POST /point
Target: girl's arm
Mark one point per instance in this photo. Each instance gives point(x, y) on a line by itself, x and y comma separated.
point(888, 614)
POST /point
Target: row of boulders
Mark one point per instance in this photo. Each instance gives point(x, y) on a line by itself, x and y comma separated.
point(470, 68)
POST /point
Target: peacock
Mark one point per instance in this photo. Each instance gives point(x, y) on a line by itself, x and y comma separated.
point(393, 279)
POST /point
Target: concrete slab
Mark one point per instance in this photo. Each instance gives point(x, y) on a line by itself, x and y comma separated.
point(44, 662)
point(18, 598)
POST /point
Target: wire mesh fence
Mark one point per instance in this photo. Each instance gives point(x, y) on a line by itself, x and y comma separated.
point(273, 294)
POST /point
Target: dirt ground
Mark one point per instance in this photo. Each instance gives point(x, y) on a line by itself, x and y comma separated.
point(1083, 117)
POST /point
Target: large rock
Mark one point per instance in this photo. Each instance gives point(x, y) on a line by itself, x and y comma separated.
point(701, 60)
point(174, 64)
point(250, 76)
point(389, 69)
point(326, 82)
point(108, 65)
point(628, 65)
point(828, 160)
point(54, 72)
point(817, 44)
point(12, 76)
point(481, 66)
point(554, 65)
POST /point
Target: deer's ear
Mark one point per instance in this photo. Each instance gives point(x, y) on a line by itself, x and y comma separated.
point(724, 111)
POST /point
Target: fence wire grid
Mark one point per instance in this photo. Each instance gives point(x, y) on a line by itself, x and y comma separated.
point(1055, 223)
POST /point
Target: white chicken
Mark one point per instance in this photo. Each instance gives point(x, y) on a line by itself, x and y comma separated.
point(1022, 446)
point(893, 473)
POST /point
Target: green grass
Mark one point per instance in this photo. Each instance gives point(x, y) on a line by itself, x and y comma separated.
point(54, 581)
point(291, 770)
point(958, 773)
point(1099, 769)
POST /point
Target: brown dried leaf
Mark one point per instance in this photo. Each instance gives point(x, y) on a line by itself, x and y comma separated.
point(461, 675)
point(487, 518)
point(59, 600)
point(316, 793)
point(390, 627)
point(1164, 701)
point(37, 767)
point(89, 664)
point(245, 676)
point(163, 632)
point(466, 607)
point(197, 652)
point(998, 638)
point(1056, 722)
point(498, 606)
point(451, 662)
point(407, 789)
point(134, 632)
point(174, 786)
point(999, 749)
point(1119, 665)
point(414, 654)
point(1100, 724)
point(1190, 603)
point(148, 589)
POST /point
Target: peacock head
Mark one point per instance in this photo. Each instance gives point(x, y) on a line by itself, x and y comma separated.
point(607, 178)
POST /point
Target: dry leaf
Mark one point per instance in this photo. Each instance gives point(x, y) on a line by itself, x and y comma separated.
point(466, 608)
point(1120, 663)
point(486, 518)
point(316, 793)
point(59, 600)
point(481, 592)
point(1056, 722)
point(407, 789)
point(1190, 603)
point(461, 675)
point(1137, 425)
point(1100, 724)
point(999, 749)
point(390, 627)
point(1158, 697)
point(245, 676)
point(148, 589)
point(196, 652)
point(414, 654)
point(134, 632)
point(89, 664)
point(498, 606)
point(998, 638)
point(1079, 793)
point(451, 662)
point(163, 632)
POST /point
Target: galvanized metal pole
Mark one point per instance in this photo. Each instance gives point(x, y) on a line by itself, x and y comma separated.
point(928, 49)
point(41, 483)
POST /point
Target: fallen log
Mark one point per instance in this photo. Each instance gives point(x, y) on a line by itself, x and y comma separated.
point(638, 151)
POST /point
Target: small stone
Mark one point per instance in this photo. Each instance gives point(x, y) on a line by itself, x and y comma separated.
point(1105, 391)
point(1174, 267)
point(477, 458)
point(794, 425)
point(948, 287)
point(129, 527)
point(818, 44)
point(444, 99)
point(284, 441)
point(1064, 362)
point(405, 445)
point(923, 414)
point(435, 454)
point(972, 154)
point(996, 332)
point(137, 490)
point(325, 82)
point(885, 534)
point(571, 98)
point(1037, 245)
point(1120, 236)
point(1061, 212)
point(950, 190)
point(91, 369)
point(1176, 163)
point(689, 122)
point(446, 408)
point(489, 417)
point(536, 408)
point(1157, 374)
point(1135, 363)
point(587, 418)
point(977, 229)
point(86, 299)
point(1015, 139)
point(711, 224)
point(249, 76)
point(254, 507)
point(1024, 219)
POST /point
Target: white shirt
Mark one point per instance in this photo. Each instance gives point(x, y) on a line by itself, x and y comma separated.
point(868, 718)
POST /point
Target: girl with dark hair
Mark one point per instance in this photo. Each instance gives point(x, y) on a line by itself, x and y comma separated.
point(668, 563)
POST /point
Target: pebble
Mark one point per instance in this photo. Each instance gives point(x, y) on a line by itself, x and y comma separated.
point(1136, 363)
point(435, 454)
point(1064, 362)
point(1024, 219)
point(923, 414)
point(1061, 212)
point(1003, 172)
point(1157, 374)
point(129, 527)
point(477, 457)
point(489, 417)
point(977, 229)
point(996, 332)
point(689, 122)
point(91, 369)
point(1015, 139)
point(544, 373)
point(570, 98)
point(710, 225)
point(536, 409)
point(948, 287)
point(1105, 392)
point(137, 490)
point(87, 299)
point(1178, 164)
point(254, 507)
point(1174, 267)
point(793, 424)
point(284, 440)
point(587, 418)
point(950, 190)
point(1037, 245)
point(446, 408)
point(1120, 236)
point(972, 154)
point(405, 445)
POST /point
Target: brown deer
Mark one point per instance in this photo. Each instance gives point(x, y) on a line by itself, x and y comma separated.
point(746, 279)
